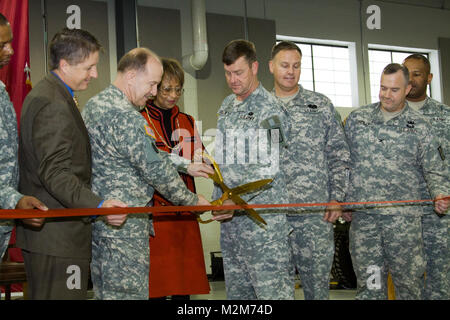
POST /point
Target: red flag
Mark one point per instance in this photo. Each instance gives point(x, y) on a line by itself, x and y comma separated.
point(15, 75)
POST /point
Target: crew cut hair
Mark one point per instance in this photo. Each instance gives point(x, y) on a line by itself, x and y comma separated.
point(395, 67)
point(72, 45)
point(284, 45)
point(421, 57)
point(239, 48)
point(136, 59)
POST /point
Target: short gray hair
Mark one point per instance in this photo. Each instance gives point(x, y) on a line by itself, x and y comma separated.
point(72, 45)
point(395, 67)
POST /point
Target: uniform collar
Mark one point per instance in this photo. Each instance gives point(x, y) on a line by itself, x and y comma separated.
point(255, 93)
point(126, 102)
point(229, 102)
point(378, 116)
point(428, 107)
point(299, 91)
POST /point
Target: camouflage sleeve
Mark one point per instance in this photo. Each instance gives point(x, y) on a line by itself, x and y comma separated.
point(348, 137)
point(157, 170)
point(435, 171)
point(338, 156)
point(444, 136)
point(181, 164)
point(8, 162)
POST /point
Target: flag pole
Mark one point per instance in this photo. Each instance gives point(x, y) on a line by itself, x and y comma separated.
point(44, 23)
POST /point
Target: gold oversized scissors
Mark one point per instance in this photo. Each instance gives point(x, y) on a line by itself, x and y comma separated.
point(233, 193)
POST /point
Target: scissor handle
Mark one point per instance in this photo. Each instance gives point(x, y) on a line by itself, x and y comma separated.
point(218, 179)
point(220, 201)
point(217, 202)
point(204, 221)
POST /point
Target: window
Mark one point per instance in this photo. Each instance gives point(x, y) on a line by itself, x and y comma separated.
point(326, 68)
point(378, 59)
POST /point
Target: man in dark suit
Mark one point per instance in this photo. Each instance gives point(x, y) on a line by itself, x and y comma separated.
point(55, 166)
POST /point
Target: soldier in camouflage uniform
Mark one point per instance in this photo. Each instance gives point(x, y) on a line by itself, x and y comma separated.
point(128, 166)
point(436, 228)
point(10, 198)
point(9, 168)
point(392, 151)
point(256, 259)
point(316, 166)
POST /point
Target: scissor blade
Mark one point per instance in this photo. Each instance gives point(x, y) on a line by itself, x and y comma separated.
point(238, 200)
point(252, 186)
point(217, 177)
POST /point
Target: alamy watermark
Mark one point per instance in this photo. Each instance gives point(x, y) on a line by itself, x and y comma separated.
point(74, 280)
point(234, 146)
point(374, 280)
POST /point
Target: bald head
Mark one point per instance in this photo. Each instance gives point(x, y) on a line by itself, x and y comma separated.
point(136, 59)
point(139, 73)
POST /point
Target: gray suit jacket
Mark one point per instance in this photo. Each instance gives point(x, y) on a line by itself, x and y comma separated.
point(55, 167)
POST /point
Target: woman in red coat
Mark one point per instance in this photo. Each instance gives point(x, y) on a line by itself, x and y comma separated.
point(177, 266)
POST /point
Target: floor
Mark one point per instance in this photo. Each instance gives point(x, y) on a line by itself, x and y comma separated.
point(218, 293)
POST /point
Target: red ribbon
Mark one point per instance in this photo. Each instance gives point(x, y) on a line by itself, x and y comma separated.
point(53, 213)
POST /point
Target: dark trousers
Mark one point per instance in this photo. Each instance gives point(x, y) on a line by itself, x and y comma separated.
point(56, 278)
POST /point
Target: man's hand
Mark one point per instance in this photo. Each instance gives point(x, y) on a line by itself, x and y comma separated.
point(197, 169)
point(198, 156)
point(347, 215)
point(333, 212)
point(28, 202)
point(441, 204)
point(221, 215)
point(115, 219)
point(202, 202)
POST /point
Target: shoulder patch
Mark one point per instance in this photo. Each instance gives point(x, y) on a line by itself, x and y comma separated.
point(149, 132)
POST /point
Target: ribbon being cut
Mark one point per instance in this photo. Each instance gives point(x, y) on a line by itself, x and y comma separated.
point(53, 213)
point(228, 193)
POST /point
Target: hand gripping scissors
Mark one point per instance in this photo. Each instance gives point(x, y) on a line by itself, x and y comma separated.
point(233, 193)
